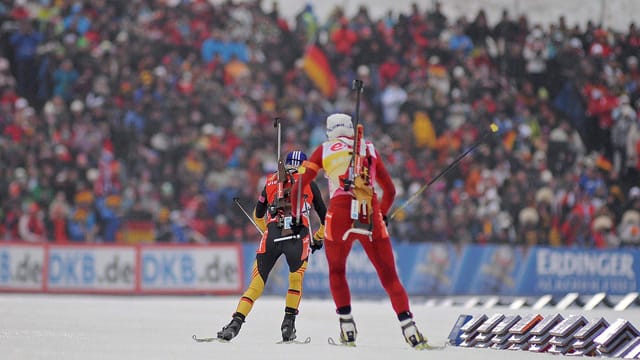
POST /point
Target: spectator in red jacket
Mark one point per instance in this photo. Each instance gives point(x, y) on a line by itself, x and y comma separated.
point(343, 39)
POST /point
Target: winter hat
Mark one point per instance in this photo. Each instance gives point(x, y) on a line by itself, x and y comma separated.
point(544, 195)
point(339, 125)
point(295, 159)
point(602, 223)
point(77, 106)
point(631, 217)
point(528, 216)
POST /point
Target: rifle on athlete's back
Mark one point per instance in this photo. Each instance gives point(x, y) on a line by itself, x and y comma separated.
point(280, 209)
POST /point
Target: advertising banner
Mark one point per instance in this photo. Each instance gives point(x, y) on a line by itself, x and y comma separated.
point(488, 270)
point(429, 268)
point(21, 267)
point(191, 269)
point(559, 271)
point(91, 268)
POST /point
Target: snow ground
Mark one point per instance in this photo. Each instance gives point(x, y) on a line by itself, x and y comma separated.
point(118, 327)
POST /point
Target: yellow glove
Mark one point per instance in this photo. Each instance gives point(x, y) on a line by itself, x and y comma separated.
point(261, 222)
point(317, 241)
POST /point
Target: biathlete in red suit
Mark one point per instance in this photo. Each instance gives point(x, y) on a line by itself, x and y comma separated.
point(334, 156)
point(281, 235)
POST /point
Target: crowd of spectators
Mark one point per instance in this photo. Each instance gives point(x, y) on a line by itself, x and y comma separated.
point(124, 120)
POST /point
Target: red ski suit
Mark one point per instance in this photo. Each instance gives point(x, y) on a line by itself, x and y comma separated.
point(334, 156)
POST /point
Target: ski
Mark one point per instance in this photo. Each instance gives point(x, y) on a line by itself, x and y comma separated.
point(330, 341)
point(208, 339)
point(427, 346)
point(216, 339)
point(294, 341)
point(424, 346)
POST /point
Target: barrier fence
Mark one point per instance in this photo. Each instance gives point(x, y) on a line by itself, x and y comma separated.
point(425, 269)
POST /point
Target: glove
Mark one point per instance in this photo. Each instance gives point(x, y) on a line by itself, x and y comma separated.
point(318, 239)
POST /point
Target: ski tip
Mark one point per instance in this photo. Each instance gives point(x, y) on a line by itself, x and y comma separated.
point(305, 341)
point(427, 346)
point(330, 341)
point(208, 339)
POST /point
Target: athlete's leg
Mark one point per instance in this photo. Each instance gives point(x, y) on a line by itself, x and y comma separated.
point(380, 253)
point(268, 254)
point(296, 253)
point(337, 251)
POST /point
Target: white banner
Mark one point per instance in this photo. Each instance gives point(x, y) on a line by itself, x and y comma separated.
point(216, 268)
point(21, 267)
point(121, 269)
point(92, 268)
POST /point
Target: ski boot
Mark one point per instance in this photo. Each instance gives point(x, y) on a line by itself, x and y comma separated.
point(348, 331)
point(412, 335)
point(288, 327)
point(231, 330)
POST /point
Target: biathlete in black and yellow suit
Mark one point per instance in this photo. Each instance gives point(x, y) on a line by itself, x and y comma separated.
point(281, 235)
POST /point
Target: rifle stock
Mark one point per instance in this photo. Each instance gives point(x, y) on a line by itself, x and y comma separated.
point(358, 86)
point(282, 178)
point(360, 152)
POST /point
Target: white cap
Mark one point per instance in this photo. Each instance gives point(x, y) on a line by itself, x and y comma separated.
point(528, 216)
point(339, 125)
point(77, 105)
point(49, 108)
point(602, 223)
point(363, 70)
point(208, 129)
point(93, 174)
point(575, 43)
point(21, 103)
point(458, 72)
point(546, 176)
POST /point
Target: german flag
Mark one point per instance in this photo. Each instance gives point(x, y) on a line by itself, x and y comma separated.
point(509, 140)
point(316, 66)
point(603, 163)
point(138, 231)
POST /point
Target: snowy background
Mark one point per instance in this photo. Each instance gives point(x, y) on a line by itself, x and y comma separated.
point(616, 14)
point(85, 327)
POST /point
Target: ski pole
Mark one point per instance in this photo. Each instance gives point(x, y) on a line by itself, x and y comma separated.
point(237, 201)
point(493, 128)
